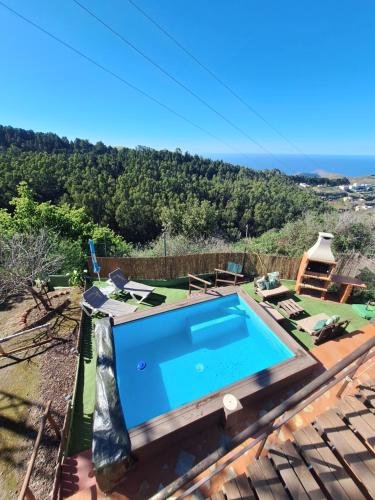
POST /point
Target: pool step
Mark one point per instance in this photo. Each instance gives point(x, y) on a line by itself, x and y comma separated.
point(216, 327)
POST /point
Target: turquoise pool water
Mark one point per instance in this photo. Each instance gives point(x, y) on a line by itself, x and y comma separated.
point(170, 359)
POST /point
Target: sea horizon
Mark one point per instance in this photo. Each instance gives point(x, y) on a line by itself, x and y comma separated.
point(346, 165)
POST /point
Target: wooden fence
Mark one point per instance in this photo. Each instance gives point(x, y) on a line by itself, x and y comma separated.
point(173, 267)
point(351, 264)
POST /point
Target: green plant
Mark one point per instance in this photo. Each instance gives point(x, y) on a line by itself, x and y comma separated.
point(76, 277)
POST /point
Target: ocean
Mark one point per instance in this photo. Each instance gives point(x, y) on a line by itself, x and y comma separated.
point(351, 166)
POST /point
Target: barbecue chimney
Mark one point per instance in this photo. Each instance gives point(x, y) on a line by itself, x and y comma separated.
point(316, 268)
point(321, 250)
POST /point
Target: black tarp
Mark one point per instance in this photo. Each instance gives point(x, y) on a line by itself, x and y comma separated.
point(111, 447)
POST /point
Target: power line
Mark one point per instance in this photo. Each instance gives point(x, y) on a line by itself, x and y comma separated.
point(219, 80)
point(178, 82)
point(118, 77)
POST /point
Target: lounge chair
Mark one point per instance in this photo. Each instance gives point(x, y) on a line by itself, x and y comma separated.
point(272, 292)
point(95, 301)
point(231, 274)
point(325, 333)
point(274, 313)
point(123, 284)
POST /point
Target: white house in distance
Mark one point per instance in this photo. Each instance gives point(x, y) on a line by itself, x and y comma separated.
point(360, 187)
point(362, 207)
point(356, 187)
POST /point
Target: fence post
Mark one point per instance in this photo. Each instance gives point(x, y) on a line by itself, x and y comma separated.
point(263, 443)
point(353, 371)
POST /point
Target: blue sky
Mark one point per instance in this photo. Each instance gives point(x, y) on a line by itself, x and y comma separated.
point(308, 67)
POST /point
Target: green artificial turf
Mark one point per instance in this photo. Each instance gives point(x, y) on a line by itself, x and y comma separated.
point(313, 306)
point(84, 398)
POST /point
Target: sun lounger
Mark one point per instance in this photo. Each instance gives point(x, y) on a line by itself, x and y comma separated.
point(327, 332)
point(307, 324)
point(95, 301)
point(268, 307)
point(123, 284)
point(269, 294)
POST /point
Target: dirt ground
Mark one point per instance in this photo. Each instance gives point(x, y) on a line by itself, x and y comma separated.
point(27, 381)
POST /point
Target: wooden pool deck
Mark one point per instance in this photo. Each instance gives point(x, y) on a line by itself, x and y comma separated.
point(148, 477)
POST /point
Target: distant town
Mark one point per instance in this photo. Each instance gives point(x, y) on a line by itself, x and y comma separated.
point(343, 196)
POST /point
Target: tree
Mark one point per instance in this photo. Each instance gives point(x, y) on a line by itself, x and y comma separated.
point(25, 258)
point(131, 190)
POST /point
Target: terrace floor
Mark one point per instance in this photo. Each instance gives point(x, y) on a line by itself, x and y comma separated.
point(145, 479)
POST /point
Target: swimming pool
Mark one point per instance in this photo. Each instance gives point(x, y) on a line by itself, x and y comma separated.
point(171, 359)
point(181, 360)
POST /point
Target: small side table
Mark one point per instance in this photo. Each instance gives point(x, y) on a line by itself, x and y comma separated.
point(347, 284)
point(290, 308)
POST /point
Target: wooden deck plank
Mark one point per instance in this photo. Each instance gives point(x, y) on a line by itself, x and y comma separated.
point(365, 412)
point(286, 471)
point(272, 478)
point(230, 489)
point(328, 469)
point(367, 393)
point(359, 417)
point(302, 472)
point(259, 482)
point(360, 460)
point(244, 488)
point(219, 495)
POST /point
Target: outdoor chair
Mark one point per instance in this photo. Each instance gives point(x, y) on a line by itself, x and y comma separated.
point(231, 274)
point(123, 284)
point(95, 301)
point(271, 293)
point(327, 332)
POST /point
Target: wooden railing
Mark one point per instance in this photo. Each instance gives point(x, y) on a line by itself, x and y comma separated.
point(192, 285)
point(271, 422)
point(8, 351)
point(46, 417)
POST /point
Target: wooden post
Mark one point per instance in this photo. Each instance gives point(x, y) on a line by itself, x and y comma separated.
point(263, 443)
point(352, 373)
point(25, 490)
point(347, 290)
